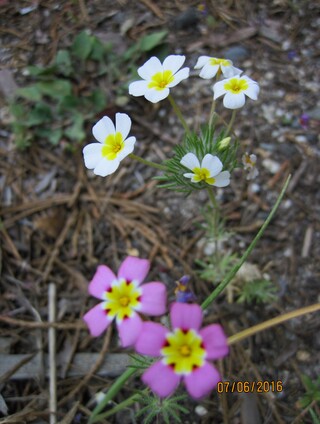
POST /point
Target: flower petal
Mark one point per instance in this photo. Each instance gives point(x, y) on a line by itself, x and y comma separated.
point(138, 88)
point(218, 89)
point(161, 379)
point(106, 167)
point(133, 268)
point(151, 339)
point(151, 67)
point(97, 320)
point(223, 179)
point(128, 148)
point(202, 61)
point(155, 96)
point(188, 175)
point(101, 281)
point(186, 316)
point(179, 76)
point(173, 63)
point(230, 71)
point(214, 341)
point(103, 128)
point(201, 381)
point(253, 90)
point(234, 101)
point(123, 124)
point(153, 299)
point(129, 330)
point(212, 163)
point(209, 71)
point(92, 155)
point(190, 161)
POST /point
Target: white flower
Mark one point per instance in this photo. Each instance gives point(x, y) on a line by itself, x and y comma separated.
point(249, 163)
point(235, 89)
point(159, 78)
point(212, 66)
point(104, 157)
point(208, 171)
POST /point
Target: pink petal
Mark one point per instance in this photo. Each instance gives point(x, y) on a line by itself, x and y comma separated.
point(161, 379)
point(186, 316)
point(201, 381)
point(151, 339)
point(97, 320)
point(129, 330)
point(214, 341)
point(101, 281)
point(133, 268)
point(153, 299)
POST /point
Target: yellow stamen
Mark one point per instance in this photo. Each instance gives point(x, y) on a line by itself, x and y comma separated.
point(202, 174)
point(236, 85)
point(122, 299)
point(224, 62)
point(113, 144)
point(160, 80)
point(185, 350)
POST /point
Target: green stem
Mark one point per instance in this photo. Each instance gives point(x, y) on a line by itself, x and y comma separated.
point(147, 162)
point(132, 399)
point(177, 111)
point(233, 116)
point(213, 199)
point(114, 389)
point(244, 257)
point(212, 113)
point(271, 323)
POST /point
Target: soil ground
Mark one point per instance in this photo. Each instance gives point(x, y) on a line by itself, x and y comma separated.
point(58, 221)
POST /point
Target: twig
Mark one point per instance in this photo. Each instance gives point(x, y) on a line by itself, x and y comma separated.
point(52, 294)
point(45, 325)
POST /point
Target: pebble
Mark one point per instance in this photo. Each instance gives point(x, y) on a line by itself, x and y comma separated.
point(271, 165)
point(201, 410)
point(301, 138)
point(236, 53)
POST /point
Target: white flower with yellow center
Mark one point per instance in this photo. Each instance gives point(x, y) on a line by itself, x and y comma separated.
point(212, 66)
point(234, 90)
point(249, 162)
point(183, 351)
point(209, 171)
point(158, 78)
point(104, 157)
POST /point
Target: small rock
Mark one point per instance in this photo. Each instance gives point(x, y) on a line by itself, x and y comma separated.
point(303, 356)
point(271, 165)
point(236, 53)
point(201, 410)
point(8, 86)
point(301, 138)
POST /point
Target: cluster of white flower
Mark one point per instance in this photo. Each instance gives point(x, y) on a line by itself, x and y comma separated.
point(158, 78)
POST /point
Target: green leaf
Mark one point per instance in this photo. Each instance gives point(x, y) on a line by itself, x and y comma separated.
point(69, 103)
point(39, 114)
point(37, 71)
point(149, 42)
point(82, 45)
point(75, 131)
point(30, 93)
point(57, 89)
point(98, 100)
point(52, 135)
point(63, 62)
point(98, 50)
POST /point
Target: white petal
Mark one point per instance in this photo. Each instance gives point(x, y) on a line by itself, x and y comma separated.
point(212, 163)
point(151, 67)
point(230, 71)
point(234, 101)
point(123, 124)
point(138, 88)
point(218, 89)
point(202, 61)
point(128, 148)
point(173, 63)
point(190, 161)
point(252, 91)
point(103, 128)
point(92, 155)
point(156, 96)
point(188, 175)
point(106, 167)
point(179, 76)
point(209, 71)
point(223, 179)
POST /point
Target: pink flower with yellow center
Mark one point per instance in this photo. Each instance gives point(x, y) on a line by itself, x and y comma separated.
point(123, 297)
point(184, 352)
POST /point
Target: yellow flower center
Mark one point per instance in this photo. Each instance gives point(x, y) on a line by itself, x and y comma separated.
point(236, 85)
point(224, 62)
point(122, 299)
point(183, 351)
point(202, 174)
point(160, 80)
point(113, 144)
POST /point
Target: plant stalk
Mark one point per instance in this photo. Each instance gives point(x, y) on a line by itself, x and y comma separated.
point(233, 117)
point(177, 111)
point(147, 162)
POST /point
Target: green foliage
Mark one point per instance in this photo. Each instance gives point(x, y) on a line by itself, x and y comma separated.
point(207, 142)
point(312, 391)
point(214, 270)
point(168, 409)
point(259, 291)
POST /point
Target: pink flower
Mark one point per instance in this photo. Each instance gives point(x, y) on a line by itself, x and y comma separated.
point(123, 297)
point(184, 352)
